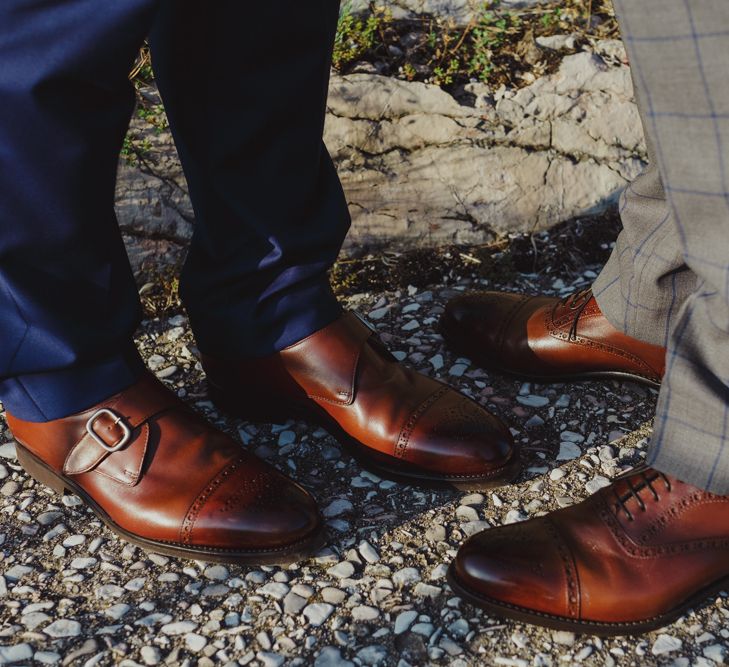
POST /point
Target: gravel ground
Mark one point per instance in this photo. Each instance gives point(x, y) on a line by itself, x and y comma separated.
point(72, 593)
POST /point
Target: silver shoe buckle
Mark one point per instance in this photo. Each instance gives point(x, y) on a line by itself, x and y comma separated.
point(118, 420)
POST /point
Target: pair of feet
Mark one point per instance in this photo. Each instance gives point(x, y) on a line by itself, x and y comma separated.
point(163, 478)
point(631, 558)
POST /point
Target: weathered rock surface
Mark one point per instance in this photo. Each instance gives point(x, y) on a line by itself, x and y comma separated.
point(459, 11)
point(419, 167)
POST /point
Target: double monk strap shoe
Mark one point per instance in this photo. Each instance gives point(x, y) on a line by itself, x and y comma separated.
point(631, 558)
point(162, 478)
point(547, 339)
point(397, 422)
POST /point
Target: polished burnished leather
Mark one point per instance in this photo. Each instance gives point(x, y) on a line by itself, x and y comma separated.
point(547, 338)
point(631, 558)
point(163, 478)
point(396, 421)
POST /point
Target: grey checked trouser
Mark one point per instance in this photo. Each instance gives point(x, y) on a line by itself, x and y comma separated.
point(667, 282)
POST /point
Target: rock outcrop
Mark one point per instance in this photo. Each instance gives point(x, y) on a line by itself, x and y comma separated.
point(420, 167)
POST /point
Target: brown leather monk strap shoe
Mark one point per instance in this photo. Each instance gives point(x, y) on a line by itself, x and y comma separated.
point(547, 339)
point(162, 478)
point(631, 558)
point(397, 422)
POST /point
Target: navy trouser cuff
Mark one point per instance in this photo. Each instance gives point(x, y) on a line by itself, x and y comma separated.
point(238, 333)
point(41, 397)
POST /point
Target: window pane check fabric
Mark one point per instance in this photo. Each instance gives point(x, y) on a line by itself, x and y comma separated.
point(667, 281)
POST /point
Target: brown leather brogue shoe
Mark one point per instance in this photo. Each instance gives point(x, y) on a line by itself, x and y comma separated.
point(397, 422)
point(629, 559)
point(162, 478)
point(547, 339)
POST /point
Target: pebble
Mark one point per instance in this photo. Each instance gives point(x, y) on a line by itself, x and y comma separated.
point(378, 313)
point(533, 401)
point(178, 627)
point(167, 372)
point(63, 628)
point(342, 570)
point(275, 590)
point(467, 513)
point(563, 401)
point(563, 638)
point(514, 516)
point(404, 620)
point(457, 370)
point(422, 590)
point(32, 620)
point(666, 644)
point(597, 483)
point(150, 655)
point(330, 656)
point(436, 361)
point(115, 612)
point(73, 541)
point(337, 507)
point(364, 613)
point(318, 613)
point(216, 572)
point(270, 659)
point(293, 604)
point(333, 595)
point(425, 629)
point(9, 488)
point(368, 552)
point(16, 653)
point(473, 527)
point(195, 642)
point(286, 438)
point(17, 572)
point(7, 451)
point(556, 474)
point(372, 655)
point(715, 652)
point(45, 657)
point(406, 576)
point(568, 451)
point(435, 533)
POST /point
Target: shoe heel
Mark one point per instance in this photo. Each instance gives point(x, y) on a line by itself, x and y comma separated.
point(247, 408)
point(39, 471)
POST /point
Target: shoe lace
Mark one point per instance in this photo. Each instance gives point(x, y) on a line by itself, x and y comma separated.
point(577, 301)
point(646, 478)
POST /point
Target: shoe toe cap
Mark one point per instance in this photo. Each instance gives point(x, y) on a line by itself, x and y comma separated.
point(519, 565)
point(458, 436)
point(257, 510)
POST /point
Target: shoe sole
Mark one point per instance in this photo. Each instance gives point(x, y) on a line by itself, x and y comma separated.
point(498, 477)
point(623, 376)
point(599, 628)
point(298, 551)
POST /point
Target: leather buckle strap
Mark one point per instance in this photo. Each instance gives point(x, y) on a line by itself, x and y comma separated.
point(118, 420)
point(364, 320)
point(115, 436)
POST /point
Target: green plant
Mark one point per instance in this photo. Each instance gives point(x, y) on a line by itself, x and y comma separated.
point(445, 77)
point(356, 35)
point(154, 115)
point(490, 34)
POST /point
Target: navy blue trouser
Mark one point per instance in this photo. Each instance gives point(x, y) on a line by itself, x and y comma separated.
point(244, 85)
